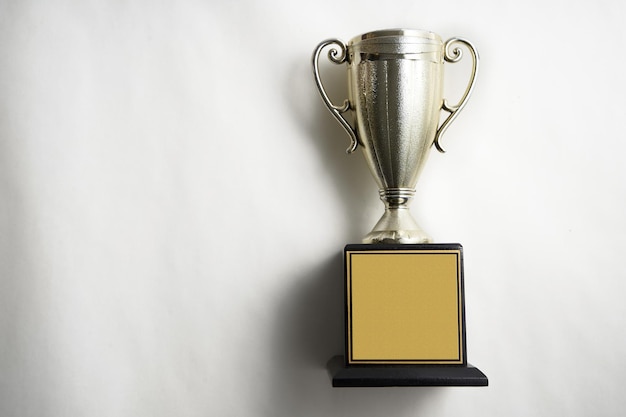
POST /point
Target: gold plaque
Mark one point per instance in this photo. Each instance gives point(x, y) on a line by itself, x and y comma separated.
point(405, 306)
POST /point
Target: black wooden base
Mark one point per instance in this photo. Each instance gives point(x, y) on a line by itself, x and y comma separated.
point(404, 375)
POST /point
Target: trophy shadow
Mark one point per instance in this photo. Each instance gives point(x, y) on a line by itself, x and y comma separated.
point(348, 173)
point(309, 327)
point(308, 332)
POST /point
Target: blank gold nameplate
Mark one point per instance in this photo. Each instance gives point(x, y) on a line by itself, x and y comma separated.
point(404, 304)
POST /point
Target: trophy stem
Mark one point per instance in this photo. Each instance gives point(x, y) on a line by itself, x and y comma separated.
point(397, 225)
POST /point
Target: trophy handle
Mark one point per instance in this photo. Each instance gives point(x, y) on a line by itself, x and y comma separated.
point(452, 56)
point(337, 57)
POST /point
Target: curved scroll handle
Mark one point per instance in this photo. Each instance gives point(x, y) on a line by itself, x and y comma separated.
point(338, 57)
point(455, 55)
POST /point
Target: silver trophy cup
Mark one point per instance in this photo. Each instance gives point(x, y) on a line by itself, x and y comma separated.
point(395, 80)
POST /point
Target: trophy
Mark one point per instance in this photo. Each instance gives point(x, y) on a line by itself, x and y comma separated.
point(404, 295)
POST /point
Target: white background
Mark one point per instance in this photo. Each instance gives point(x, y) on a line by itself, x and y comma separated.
point(174, 200)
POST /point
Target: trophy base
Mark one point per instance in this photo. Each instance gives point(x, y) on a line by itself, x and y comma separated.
point(404, 318)
point(404, 375)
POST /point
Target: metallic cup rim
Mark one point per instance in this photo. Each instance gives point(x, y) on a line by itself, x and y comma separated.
point(397, 36)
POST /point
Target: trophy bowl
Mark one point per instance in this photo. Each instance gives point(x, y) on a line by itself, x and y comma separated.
point(395, 96)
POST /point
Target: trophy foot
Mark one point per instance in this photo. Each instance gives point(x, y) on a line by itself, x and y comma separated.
point(397, 236)
point(397, 226)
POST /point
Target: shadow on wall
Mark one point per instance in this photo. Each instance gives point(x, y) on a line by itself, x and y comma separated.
point(309, 326)
point(308, 331)
point(348, 174)
point(21, 303)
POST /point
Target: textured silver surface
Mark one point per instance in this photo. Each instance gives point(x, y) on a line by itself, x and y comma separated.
point(395, 80)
